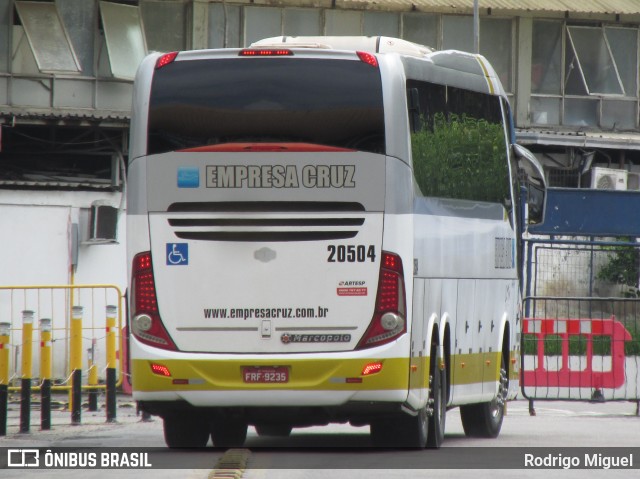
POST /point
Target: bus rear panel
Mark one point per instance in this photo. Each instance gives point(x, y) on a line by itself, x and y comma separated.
point(260, 277)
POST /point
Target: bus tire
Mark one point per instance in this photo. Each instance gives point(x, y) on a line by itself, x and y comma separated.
point(228, 432)
point(402, 430)
point(185, 431)
point(278, 430)
point(485, 419)
point(438, 400)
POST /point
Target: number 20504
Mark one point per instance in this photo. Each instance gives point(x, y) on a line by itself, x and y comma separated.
point(351, 253)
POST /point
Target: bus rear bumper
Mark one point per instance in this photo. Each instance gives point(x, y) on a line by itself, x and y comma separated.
point(271, 398)
point(204, 382)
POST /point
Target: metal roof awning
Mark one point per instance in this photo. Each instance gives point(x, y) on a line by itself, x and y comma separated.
point(612, 7)
point(580, 139)
point(20, 115)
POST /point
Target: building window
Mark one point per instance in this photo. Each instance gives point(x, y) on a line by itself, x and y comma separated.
point(47, 38)
point(496, 40)
point(589, 65)
point(584, 76)
point(161, 35)
point(261, 22)
point(124, 38)
point(57, 157)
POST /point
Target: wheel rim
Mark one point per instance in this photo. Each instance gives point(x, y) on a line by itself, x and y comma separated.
point(497, 405)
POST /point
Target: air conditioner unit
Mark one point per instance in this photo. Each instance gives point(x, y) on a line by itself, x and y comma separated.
point(608, 179)
point(103, 223)
point(633, 181)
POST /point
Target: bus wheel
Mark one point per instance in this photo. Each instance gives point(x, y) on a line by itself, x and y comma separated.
point(279, 430)
point(228, 432)
point(185, 431)
point(485, 419)
point(401, 431)
point(437, 401)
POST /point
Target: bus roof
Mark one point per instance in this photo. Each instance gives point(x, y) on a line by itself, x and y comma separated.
point(466, 64)
point(377, 44)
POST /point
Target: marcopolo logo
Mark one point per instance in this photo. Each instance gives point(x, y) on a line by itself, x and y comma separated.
point(23, 458)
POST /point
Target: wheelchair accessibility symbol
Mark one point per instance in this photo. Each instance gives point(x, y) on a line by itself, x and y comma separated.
point(177, 254)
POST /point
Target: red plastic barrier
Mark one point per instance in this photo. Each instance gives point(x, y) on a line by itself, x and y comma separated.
point(565, 376)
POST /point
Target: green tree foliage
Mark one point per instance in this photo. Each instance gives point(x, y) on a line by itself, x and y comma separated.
point(622, 267)
point(461, 157)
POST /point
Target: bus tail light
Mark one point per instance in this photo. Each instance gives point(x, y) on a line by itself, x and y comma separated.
point(388, 321)
point(265, 52)
point(165, 59)
point(146, 324)
point(368, 58)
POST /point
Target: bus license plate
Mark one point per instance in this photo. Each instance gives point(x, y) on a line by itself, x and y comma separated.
point(265, 374)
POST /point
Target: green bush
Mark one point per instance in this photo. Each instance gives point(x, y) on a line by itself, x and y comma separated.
point(622, 268)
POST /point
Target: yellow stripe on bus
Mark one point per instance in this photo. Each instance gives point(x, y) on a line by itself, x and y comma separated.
point(308, 375)
point(226, 375)
point(486, 75)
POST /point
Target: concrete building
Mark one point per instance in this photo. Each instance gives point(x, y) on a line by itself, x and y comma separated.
point(66, 70)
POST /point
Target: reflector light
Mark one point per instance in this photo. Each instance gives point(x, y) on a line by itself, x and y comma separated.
point(281, 52)
point(368, 58)
point(166, 59)
point(372, 368)
point(160, 370)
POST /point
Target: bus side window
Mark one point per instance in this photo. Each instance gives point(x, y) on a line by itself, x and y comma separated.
point(415, 113)
point(458, 143)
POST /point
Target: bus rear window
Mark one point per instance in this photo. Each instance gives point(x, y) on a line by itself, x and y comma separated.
point(326, 102)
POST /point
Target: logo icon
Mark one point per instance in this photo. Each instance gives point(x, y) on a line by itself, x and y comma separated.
point(177, 254)
point(23, 458)
point(264, 254)
point(188, 177)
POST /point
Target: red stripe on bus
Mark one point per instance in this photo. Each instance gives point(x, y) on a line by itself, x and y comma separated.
point(278, 147)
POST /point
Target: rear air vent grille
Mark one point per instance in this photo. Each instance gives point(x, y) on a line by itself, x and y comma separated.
point(266, 236)
point(266, 207)
point(266, 221)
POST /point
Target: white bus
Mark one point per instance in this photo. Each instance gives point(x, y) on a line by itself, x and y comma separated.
point(323, 230)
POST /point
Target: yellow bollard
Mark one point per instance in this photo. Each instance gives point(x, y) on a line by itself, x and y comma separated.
point(45, 374)
point(93, 378)
point(27, 368)
point(45, 349)
point(75, 362)
point(5, 329)
point(27, 345)
point(112, 312)
point(75, 352)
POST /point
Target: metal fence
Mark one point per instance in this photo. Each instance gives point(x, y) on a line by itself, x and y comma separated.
point(581, 328)
point(44, 333)
point(56, 303)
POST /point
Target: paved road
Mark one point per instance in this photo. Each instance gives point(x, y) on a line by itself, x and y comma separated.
point(345, 450)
